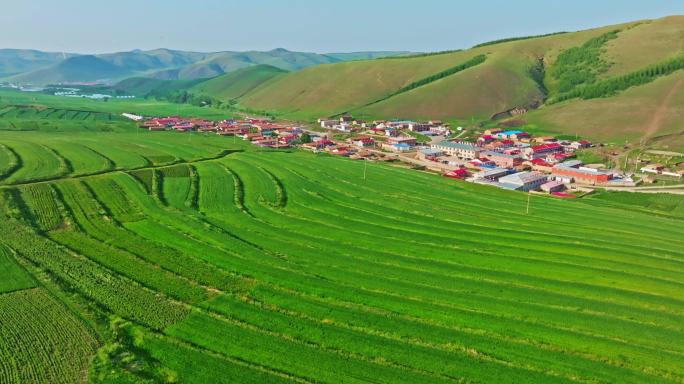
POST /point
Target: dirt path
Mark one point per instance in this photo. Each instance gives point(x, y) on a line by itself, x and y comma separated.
point(661, 111)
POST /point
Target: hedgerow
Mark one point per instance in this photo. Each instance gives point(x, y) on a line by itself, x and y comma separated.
point(507, 40)
point(479, 59)
point(581, 65)
point(613, 85)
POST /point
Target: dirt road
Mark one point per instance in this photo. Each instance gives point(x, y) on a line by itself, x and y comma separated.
point(661, 111)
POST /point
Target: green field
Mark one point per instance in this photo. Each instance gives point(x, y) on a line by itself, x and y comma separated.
point(41, 341)
point(148, 257)
point(66, 108)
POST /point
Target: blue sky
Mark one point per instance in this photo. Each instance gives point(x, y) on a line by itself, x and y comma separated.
point(95, 26)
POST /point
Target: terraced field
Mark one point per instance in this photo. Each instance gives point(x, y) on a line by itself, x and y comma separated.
point(179, 258)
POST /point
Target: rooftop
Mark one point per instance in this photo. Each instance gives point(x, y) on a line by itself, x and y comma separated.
point(492, 172)
point(463, 146)
point(429, 151)
point(512, 132)
point(499, 154)
point(522, 178)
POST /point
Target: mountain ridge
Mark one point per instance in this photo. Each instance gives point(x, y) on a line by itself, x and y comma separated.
point(17, 66)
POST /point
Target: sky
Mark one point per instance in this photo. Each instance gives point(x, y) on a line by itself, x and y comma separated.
point(324, 26)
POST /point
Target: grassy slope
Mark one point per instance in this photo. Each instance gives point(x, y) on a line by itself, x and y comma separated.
point(653, 112)
point(236, 84)
point(647, 43)
point(335, 88)
point(79, 68)
point(496, 85)
point(501, 83)
point(14, 61)
point(141, 86)
point(626, 116)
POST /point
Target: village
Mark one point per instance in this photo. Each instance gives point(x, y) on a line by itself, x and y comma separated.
point(510, 159)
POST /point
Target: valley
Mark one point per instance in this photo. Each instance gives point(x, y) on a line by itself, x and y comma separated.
point(507, 213)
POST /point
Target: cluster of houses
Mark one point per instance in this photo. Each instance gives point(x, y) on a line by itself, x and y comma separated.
point(263, 133)
point(349, 124)
point(659, 169)
point(513, 159)
point(509, 159)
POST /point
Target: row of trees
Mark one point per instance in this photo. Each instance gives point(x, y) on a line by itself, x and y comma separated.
point(509, 39)
point(411, 56)
point(479, 59)
point(185, 97)
point(581, 65)
point(611, 86)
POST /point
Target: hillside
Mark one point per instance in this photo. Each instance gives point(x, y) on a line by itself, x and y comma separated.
point(520, 73)
point(502, 82)
point(225, 62)
point(145, 86)
point(236, 84)
point(351, 56)
point(164, 64)
point(15, 61)
point(329, 89)
point(73, 69)
point(651, 114)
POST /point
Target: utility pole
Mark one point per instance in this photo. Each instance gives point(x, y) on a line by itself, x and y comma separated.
point(527, 211)
point(626, 158)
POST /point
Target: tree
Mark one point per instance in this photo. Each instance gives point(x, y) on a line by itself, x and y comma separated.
point(305, 138)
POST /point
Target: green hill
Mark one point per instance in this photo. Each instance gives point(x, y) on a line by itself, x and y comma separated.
point(145, 86)
point(328, 89)
point(74, 69)
point(236, 84)
point(16, 61)
point(225, 62)
point(525, 73)
point(35, 67)
point(505, 80)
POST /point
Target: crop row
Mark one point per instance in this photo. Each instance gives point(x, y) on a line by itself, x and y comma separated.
point(272, 240)
point(369, 279)
point(42, 202)
point(76, 273)
point(41, 341)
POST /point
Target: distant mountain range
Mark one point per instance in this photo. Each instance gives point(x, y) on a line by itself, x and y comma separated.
point(41, 68)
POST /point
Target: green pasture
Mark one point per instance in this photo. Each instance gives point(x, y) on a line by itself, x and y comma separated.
point(228, 264)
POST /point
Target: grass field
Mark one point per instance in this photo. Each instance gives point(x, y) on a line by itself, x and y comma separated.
point(237, 84)
point(148, 257)
point(67, 107)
